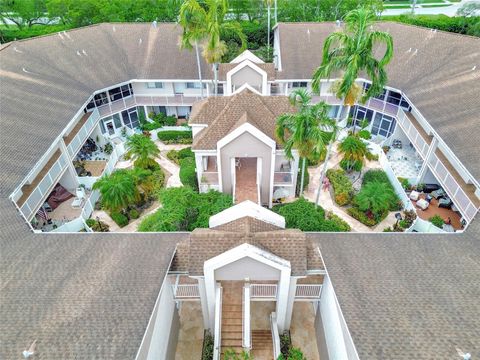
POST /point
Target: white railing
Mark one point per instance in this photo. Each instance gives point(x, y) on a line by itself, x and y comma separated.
point(382, 106)
point(90, 204)
point(207, 187)
point(217, 334)
point(87, 181)
point(263, 291)
point(275, 335)
point(308, 291)
point(283, 178)
point(453, 189)
point(82, 134)
point(413, 134)
point(72, 226)
point(44, 187)
point(246, 325)
point(186, 291)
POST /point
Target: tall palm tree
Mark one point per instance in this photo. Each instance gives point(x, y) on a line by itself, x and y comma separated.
point(207, 21)
point(194, 31)
point(142, 150)
point(351, 52)
point(118, 190)
point(307, 130)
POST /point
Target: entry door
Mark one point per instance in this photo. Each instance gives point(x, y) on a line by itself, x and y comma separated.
point(110, 127)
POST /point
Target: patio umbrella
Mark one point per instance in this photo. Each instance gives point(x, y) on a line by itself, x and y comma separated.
point(281, 193)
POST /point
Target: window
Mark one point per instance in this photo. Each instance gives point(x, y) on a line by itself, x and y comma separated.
point(130, 118)
point(120, 92)
point(299, 84)
point(359, 113)
point(195, 85)
point(100, 99)
point(154, 85)
point(383, 125)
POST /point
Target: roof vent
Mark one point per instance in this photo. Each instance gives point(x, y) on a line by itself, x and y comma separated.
point(113, 28)
point(31, 350)
point(84, 52)
point(409, 50)
point(464, 356)
point(16, 50)
point(474, 68)
point(154, 23)
point(78, 53)
point(415, 52)
point(61, 37)
point(26, 71)
point(338, 23)
point(140, 41)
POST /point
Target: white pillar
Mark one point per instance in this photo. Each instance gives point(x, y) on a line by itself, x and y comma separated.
point(203, 301)
point(282, 299)
point(210, 292)
point(291, 300)
point(70, 167)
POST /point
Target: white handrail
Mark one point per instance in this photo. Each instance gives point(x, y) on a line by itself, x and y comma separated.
point(246, 326)
point(263, 290)
point(275, 335)
point(182, 291)
point(217, 335)
point(311, 291)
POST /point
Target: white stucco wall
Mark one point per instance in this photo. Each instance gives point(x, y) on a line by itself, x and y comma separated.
point(140, 88)
point(247, 268)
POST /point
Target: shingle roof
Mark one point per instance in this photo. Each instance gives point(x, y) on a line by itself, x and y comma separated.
point(434, 69)
point(407, 296)
point(224, 114)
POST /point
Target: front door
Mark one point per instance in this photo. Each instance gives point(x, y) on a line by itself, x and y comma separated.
point(110, 127)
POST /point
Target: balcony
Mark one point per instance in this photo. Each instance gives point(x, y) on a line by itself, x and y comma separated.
point(415, 132)
point(81, 131)
point(461, 193)
point(209, 181)
point(282, 178)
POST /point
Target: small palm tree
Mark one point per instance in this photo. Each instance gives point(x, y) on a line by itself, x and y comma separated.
point(308, 130)
point(354, 152)
point(118, 190)
point(142, 150)
point(352, 52)
point(375, 198)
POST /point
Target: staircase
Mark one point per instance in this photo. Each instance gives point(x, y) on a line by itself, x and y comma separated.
point(262, 345)
point(246, 181)
point(232, 316)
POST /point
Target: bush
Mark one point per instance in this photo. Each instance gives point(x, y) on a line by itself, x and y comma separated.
point(208, 343)
point(301, 214)
point(183, 209)
point(404, 182)
point(120, 219)
point(188, 175)
point(175, 137)
point(437, 221)
point(342, 186)
point(371, 157)
point(365, 134)
point(306, 178)
point(380, 176)
point(173, 155)
point(338, 222)
point(358, 214)
point(97, 225)
point(185, 153)
point(404, 224)
point(133, 214)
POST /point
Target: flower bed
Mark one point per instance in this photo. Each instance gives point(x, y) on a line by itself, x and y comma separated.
point(342, 186)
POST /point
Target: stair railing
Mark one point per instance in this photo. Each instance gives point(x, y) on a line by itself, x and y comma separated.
point(246, 326)
point(217, 334)
point(275, 335)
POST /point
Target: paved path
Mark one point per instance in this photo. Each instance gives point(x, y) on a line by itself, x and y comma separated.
point(170, 166)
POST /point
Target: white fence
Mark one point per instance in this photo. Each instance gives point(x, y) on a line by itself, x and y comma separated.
point(84, 132)
point(87, 181)
point(308, 291)
point(424, 226)
point(263, 291)
point(186, 291)
point(72, 226)
point(90, 204)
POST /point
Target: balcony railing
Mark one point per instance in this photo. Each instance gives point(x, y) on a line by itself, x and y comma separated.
point(83, 134)
point(382, 106)
point(418, 141)
point(308, 291)
point(282, 178)
point(186, 291)
point(44, 187)
point(263, 291)
point(453, 188)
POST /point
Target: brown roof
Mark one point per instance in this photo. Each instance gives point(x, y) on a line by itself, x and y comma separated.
point(269, 68)
point(247, 224)
point(434, 69)
point(225, 114)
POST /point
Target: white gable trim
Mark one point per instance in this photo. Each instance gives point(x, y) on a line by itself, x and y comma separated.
point(247, 55)
point(247, 208)
point(239, 67)
point(242, 129)
point(246, 86)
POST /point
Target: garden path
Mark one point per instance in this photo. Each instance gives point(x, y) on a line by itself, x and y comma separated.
point(171, 167)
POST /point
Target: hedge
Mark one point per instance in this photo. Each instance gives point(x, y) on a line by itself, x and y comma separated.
point(175, 136)
point(188, 175)
point(360, 216)
point(342, 186)
point(302, 214)
point(119, 218)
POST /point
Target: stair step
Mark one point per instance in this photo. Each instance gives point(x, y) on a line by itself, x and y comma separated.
point(237, 321)
point(231, 327)
point(231, 343)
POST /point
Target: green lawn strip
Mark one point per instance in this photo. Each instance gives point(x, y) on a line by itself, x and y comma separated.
point(397, 7)
point(435, 6)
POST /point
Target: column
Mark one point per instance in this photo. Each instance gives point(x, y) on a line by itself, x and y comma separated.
point(70, 167)
point(424, 168)
point(291, 299)
point(203, 301)
point(282, 299)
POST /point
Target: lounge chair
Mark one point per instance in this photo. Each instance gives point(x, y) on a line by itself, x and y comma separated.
point(437, 194)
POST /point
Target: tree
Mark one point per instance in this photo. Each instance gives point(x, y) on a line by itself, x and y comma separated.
point(207, 19)
point(354, 151)
point(142, 150)
point(308, 130)
point(118, 190)
point(352, 51)
point(23, 13)
point(269, 4)
point(375, 198)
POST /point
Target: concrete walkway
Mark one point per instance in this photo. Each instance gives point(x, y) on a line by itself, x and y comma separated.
point(170, 166)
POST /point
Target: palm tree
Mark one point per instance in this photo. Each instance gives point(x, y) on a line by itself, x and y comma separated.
point(375, 198)
point(205, 23)
point(352, 52)
point(354, 151)
point(142, 150)
point(269, 4)
point(193, 32)
point(308, 130)
point(118, 190)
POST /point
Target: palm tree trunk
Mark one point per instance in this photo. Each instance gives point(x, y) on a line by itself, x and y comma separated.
point(324, 171)
point(275, 13)
point(303, 176)
point(199, 69)
point(268, 32)
point(215, 78)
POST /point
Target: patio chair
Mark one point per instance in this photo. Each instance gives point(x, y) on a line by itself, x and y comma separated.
point(423, 204)
point(80, 197)
point(445, 203)
point(437, 194)
point(414, 195)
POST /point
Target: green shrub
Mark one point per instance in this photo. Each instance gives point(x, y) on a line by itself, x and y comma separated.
point(342, 186)
point(337, 221)
point(184, 153)
point(97, 225)
point(188, 175)
point(404, 182)
point(175, 136)
point(183, 209)
point(208, 344)
point(404, 224)
point(437, 221)
point(358, 214)
point(365, 134)
point(173, 155)
point(133, 214)
point(306, 178)
point(120, 219)
point(302, 214)
point(371, 157)
point(380, 176)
